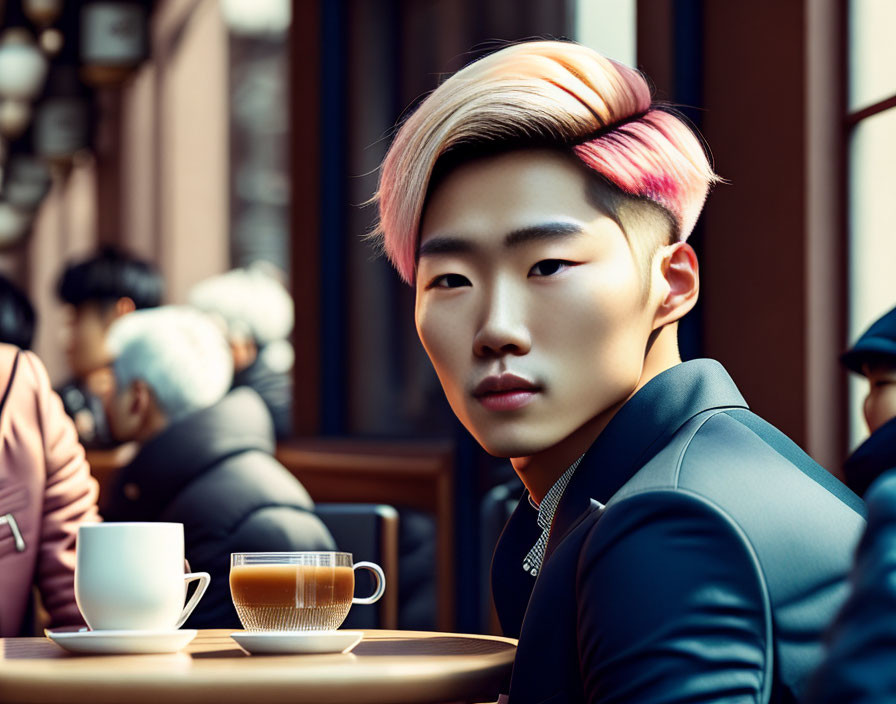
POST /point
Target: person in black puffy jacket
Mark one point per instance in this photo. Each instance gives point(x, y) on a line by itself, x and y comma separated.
point(205, 454)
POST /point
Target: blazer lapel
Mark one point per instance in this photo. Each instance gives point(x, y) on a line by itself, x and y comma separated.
point(511, 585)
point(638, 431)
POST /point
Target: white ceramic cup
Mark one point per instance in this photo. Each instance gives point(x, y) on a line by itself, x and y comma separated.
point(130, 576)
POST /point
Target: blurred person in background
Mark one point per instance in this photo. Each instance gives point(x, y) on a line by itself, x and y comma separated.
point(256, 312)
point(860, 665)
point(17, 318)
point(46, 492)
point(205, 453)
point(874, 357)
point(98, 291)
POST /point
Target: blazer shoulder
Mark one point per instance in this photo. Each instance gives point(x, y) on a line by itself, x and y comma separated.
point(737, 444)
point(733, 433)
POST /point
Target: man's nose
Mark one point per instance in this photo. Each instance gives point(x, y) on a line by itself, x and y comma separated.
point(503, 329)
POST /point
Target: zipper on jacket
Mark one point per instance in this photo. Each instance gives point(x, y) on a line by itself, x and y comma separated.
point(10, 520)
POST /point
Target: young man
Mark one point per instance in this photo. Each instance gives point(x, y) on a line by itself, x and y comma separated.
point(671, 546)
point(98, 291)
point(205, 455)
point(860, 665)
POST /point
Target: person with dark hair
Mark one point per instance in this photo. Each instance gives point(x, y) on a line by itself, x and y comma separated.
point(17, 318)
point(874, 357)
point(99, 290)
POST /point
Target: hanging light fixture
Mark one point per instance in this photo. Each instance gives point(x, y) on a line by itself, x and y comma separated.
point(42, 13)
point(51, 41)
point(14, 117)
point(23, 67)
point(113, 40)
point(14, 225)
point(61, 117)
point(257, 17)
point(26, 181)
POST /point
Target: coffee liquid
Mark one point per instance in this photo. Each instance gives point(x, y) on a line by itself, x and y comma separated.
point(291, 597)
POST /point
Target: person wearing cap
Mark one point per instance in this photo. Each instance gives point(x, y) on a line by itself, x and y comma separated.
point(860, 661)
point(874, 356)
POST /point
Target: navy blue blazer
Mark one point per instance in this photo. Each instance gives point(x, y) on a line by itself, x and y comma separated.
point(697, 555)
point(860, 664)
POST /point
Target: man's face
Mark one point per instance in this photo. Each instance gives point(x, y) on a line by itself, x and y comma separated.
point(530, 303)
point(880, 403)
point(86, 335)
point(119, 404)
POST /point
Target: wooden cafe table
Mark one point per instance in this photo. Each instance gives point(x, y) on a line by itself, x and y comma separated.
point(385, 667)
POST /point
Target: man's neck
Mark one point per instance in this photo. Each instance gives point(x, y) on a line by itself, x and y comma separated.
point(539, 472)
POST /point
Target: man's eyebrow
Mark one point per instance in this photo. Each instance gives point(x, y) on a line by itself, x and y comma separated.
point(445, 245)
point(448, 244)
point(542, 231)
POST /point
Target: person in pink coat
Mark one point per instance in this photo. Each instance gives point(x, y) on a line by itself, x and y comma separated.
point(46, 492)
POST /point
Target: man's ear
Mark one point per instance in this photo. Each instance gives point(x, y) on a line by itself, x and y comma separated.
point(141, 399)
point(123, 306)
point(680, 275)
point(244, 352)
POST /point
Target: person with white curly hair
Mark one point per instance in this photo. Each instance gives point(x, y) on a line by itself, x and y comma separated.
point(205, 456)
point(256, 312)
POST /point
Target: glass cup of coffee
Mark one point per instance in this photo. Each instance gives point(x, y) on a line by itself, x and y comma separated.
point(297, 591)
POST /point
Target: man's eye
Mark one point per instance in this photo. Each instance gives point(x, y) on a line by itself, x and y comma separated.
point(449, 281)
point(548, 267)
point(883, 382)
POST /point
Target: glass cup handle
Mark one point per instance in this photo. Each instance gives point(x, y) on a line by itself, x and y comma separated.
point(204, 580)
point(380, 582)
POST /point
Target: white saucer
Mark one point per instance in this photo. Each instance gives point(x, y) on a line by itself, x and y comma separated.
point(122, 642)
point(267, 642)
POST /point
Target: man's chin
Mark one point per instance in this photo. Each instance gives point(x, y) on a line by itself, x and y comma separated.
point(511, 446)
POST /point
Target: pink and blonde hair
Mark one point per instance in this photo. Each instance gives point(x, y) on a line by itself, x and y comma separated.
point(543, 93)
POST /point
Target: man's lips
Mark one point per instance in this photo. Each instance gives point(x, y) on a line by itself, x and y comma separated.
point(501, 383)
point(505, 392)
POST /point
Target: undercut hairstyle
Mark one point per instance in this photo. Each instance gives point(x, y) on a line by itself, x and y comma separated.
point(110, 275)
point(178, 352)
point(17, 318)
point(557, 95)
